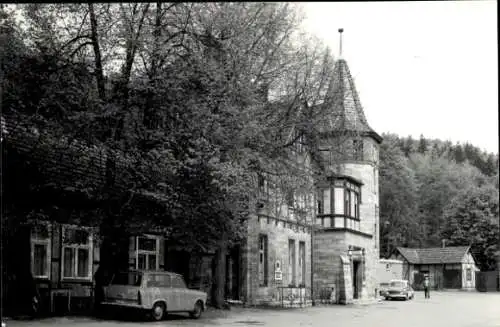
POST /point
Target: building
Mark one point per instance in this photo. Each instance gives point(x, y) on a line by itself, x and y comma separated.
point(451, 267)
point(298, 245)
point(389, 269)
point(345, 243)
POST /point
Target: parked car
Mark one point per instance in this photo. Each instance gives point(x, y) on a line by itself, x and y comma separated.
point(154, 292)
point(383, 289)
point(399, 289)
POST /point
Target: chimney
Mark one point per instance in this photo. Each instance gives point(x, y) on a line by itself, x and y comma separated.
point(443, 243)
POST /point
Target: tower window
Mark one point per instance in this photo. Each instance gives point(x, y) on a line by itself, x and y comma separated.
point(263, 260)
point(357, 149)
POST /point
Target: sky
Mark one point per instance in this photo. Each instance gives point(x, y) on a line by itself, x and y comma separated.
point(426, 68)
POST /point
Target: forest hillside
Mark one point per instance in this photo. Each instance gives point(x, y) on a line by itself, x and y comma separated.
point(434, 191)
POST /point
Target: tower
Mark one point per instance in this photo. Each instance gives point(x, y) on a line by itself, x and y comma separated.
point(346, 245)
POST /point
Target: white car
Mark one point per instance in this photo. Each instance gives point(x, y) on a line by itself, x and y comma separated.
point(399, 289)
point(156, 292)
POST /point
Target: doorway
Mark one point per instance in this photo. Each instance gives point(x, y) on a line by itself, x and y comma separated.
point(355, 279)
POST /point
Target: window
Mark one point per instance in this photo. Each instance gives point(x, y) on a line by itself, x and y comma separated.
point(263, 185)
point(299, 142)
point(339, 203)
point(469, 274)
point(263, 260)
point(302, 263)
point(357, 149)
point(76, 253)
point(320, 206)
point(291, 262)
point(326, 156)
point(290, 199)
point(159, 280)
point(128, 278)
point(40, 251)
point(178, 282)
point(346, 203)
point(324, 203)
point(147, 252)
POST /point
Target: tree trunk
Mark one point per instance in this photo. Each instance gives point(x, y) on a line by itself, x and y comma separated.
point(150, 119)
point(97, 53)
point(220, 273)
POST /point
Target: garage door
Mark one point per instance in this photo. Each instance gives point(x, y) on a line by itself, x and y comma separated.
point(452, 278)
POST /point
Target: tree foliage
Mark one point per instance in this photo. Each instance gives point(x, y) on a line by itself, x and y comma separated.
point(472, 219)
point(197, 98)
point(421, 192)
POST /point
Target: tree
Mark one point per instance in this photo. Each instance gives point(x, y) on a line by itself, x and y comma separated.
point(188, 105)
point(422, 144)
point(472, 219)
point(398, 199)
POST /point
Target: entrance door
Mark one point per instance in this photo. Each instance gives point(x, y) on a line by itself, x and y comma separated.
point(355, 278)
point(452, 278)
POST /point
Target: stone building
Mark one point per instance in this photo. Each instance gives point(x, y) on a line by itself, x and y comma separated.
point(276, 254)
point(342, 217)
point(345, 241)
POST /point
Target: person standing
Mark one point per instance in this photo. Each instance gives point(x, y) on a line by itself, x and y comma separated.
point(427, 288)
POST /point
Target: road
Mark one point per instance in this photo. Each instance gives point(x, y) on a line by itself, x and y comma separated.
point(457, 309)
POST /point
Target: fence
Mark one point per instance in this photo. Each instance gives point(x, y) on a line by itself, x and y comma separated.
point(488, 281)
point(325, 294)
point(294, 296)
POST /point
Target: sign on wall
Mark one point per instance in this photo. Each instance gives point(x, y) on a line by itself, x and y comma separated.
point(278, 274)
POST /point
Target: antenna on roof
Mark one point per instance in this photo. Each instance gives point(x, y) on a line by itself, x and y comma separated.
point(340, 43)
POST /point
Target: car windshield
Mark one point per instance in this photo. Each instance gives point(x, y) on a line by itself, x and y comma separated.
point(397, 284)
point(127, 278)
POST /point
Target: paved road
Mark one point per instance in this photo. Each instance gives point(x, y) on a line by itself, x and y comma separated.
point(457, 309)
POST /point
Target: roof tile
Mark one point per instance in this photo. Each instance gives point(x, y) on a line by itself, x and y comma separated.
point(451, 254)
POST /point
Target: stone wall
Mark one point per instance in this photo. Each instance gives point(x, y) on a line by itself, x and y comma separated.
point(327, 247)
point(371, 262)
point(329, 271)
point(278, 233)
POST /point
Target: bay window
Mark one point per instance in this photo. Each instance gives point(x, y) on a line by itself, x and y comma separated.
point(344, 211)
point(40, 251)
point(76, 253)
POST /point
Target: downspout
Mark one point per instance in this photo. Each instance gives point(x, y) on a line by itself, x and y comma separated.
point(312, 265)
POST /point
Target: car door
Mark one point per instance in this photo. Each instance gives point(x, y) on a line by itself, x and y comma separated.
point(181, 298)
point(160, 286)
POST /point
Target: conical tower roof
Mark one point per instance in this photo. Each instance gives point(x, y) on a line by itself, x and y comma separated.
point(344, 112)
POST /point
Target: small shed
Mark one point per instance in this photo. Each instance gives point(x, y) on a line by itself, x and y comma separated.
point(451, 267)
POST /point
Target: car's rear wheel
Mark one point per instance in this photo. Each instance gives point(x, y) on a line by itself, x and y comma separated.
point(198, 308)
point(158, 311)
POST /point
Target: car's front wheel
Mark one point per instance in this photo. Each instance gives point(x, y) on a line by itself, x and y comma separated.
point(158, 311)
point(198, 308)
